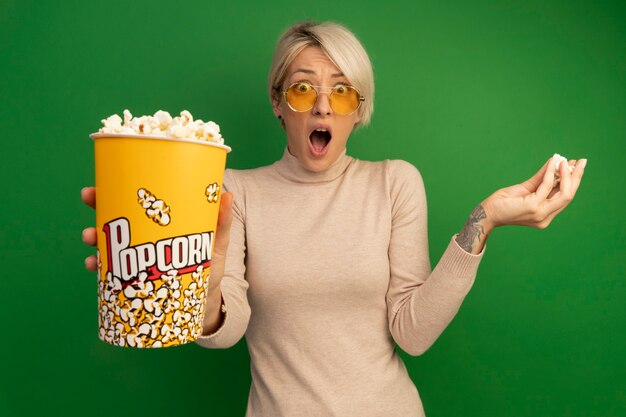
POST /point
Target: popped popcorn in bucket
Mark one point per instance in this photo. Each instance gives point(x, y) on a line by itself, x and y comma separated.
point(158, 185)
point(163, 125)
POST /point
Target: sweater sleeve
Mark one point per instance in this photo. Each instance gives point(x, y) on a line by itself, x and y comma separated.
point(420, 302)
point(234, 286)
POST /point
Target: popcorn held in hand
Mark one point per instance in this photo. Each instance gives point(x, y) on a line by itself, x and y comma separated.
point(557, 159)
point(162, 124)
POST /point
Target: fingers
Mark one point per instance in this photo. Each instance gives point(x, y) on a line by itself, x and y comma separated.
point(532, 183)
point(88, 195)
point(568, 187)
point(222, 238)
point(90, 236)
point(553, 192)
point(566, 181)
point(577, 174)
point(224, 221)
point(91, 263)
point(570, 181)
point(225, 217)
point(547, 182)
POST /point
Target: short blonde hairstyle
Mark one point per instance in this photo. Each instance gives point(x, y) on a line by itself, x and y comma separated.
point(341, 47)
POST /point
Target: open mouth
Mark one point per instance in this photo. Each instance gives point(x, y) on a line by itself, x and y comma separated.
point(319, 140)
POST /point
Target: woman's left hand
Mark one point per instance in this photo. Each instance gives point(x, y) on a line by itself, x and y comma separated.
point(535, 202)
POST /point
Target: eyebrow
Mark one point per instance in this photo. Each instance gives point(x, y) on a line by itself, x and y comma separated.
point(308, 71)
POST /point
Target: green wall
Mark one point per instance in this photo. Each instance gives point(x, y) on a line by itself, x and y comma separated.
point(476, 94)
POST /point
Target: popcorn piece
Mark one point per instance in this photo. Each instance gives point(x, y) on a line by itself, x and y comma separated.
point(145, 198)
point(159, 213)
point(180, 131)
point(112, 124)
point(141, 125)
point(211, 133)
point(212, 193)
point(127, 130)
point(185, 118)
point(128, 117)
point(156, 210)
point(164, 125)
point(162, 119)
point(557, 159)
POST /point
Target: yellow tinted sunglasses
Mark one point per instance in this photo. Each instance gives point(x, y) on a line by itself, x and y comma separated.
point(344, 99)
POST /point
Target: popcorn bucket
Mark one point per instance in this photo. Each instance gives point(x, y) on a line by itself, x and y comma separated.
point(157, 207)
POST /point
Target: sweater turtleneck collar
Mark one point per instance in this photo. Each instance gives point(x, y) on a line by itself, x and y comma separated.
point(289, 167)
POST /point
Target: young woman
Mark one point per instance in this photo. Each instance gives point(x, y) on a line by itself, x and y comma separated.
point(321, 259)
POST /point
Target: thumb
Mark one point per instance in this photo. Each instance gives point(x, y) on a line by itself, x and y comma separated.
point(533, 183)
point(224, 221)
point(222, 237)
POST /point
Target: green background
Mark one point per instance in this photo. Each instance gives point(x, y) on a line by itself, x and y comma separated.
point(476, 94)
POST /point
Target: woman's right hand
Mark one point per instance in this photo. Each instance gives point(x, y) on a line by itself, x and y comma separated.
point(222, 238)
point(213, 315)
point(88, 195)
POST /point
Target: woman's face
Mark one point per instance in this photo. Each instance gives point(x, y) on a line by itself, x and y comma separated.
point(314, 149)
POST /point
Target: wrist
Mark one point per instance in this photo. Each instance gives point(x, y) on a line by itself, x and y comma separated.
point(475, 232)
point(214, 312)
point(214, 294)
point(488, 221)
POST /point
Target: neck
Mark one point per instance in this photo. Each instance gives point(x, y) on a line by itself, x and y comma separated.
point(290, 167)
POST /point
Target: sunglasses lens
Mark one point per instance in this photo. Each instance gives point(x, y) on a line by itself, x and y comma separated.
point(301, 96)
point(345, 99)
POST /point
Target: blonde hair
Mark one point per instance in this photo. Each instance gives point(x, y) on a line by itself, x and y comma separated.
point(341, 47)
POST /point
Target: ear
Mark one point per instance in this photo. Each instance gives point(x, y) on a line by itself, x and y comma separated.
point(276, 104)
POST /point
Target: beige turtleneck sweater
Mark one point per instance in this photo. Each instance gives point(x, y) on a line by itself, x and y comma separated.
point(325, 271)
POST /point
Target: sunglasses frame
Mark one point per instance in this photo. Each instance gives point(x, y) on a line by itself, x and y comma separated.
point(315, 87)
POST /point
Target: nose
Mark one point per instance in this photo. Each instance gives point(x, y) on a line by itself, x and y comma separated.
point(322, 104)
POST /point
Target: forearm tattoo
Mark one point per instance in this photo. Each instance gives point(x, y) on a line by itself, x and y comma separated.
point(473, 230)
